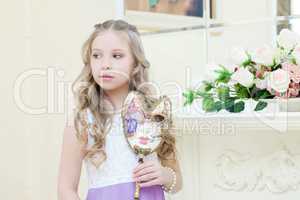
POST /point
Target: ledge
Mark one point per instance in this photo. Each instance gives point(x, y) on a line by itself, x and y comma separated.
point(281, 122)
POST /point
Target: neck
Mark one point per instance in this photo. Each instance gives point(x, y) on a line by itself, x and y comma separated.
point(117, 97)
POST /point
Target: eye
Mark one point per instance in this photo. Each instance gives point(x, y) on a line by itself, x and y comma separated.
point(117, 56)
point(96, 56)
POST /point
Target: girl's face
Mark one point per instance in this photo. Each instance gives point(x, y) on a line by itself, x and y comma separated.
point(111, 60)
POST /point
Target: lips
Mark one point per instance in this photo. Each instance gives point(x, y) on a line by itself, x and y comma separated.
point(107, 76)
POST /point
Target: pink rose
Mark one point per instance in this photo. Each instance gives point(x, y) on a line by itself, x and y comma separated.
point(294, 71)
point(294, 90)
point(278, 80)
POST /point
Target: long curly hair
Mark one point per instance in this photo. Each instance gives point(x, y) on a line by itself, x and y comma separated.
point(90, 96)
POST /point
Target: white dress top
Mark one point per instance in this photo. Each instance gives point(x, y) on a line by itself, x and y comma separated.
point(120, 162)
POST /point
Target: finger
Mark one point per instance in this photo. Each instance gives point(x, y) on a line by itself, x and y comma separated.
point(150, 183)
point(146, 177)
point(142, 166)
point(144, 171)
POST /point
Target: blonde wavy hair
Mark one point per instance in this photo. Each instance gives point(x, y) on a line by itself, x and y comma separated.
point(89, 95)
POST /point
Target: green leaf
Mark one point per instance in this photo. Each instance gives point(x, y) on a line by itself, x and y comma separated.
point(229, 103)
point(241, 91)
point(260, 105)
point(208, 104)
point(246, 63)
point(262, 94)
point(207, 86)
point(239, 106)
point(236, 107)
point(218, 106)
point(224, 75)
point(203, 90)
point(189, 97)
point(223, 93)
point(294, 61)
point(203, 94)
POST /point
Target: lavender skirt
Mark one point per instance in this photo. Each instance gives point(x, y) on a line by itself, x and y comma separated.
point(125, 191)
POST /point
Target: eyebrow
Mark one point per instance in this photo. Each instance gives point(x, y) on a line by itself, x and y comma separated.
point(96, 49)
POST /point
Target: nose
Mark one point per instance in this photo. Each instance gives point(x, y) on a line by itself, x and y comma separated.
point(106, 63)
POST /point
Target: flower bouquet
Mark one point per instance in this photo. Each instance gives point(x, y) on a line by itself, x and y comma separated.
point(265, 73)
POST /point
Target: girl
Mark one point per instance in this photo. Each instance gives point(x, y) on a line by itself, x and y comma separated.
point(114, 65)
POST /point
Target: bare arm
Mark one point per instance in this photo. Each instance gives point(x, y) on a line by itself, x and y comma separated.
point(174, 164)
point(70, 166)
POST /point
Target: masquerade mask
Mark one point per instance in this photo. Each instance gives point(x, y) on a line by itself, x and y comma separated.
point(144, 119)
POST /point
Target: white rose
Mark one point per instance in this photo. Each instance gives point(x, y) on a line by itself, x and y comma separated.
point(279, 80)
point(261, 83)
point(296, 54)
point(288, 39)
point(244, 77)
point(238, 55)
point(265, 56)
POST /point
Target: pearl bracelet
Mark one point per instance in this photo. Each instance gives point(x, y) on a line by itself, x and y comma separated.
point(170, 189)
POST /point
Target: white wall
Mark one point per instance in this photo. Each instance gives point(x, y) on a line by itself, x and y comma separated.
point(232, 10)
point(39, 34)
point(176, 60)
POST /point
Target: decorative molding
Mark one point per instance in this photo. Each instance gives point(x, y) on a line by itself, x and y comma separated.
point(278, 172)
point(280, 122)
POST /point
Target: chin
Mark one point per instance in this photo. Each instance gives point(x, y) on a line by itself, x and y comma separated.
point(109, 87)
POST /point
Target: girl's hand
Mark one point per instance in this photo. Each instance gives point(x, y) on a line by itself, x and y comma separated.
point(151, 173)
